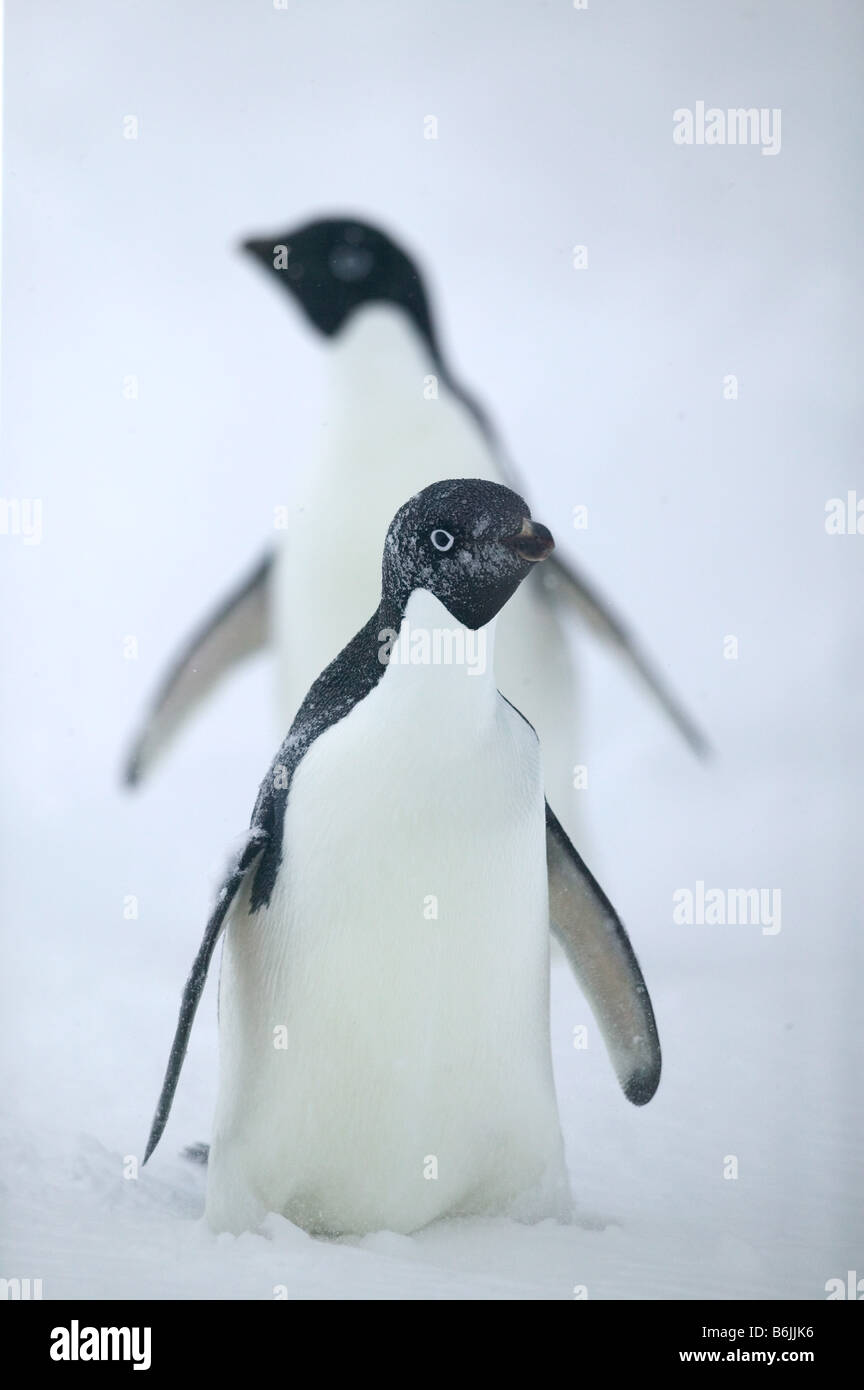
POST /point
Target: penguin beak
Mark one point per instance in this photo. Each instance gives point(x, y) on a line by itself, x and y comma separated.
point(533, 543)
point(261, 248)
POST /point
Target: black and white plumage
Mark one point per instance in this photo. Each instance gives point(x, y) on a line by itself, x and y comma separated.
point(409, 1038)
point(396, 419)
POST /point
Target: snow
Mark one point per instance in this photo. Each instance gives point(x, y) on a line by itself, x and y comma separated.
point(654, 1218)
point(706, 519)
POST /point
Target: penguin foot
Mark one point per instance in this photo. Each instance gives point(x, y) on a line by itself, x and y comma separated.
point(196, 1153)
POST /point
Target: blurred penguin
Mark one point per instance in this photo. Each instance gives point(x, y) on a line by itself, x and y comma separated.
point(397, 420)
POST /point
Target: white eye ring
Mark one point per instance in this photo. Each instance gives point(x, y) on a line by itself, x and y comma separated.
point(442, 540)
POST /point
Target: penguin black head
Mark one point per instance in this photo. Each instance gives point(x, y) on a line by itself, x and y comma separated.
point(468, 542)
point(336, 264)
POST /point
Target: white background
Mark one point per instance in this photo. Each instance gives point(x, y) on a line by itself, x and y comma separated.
point(706, 520)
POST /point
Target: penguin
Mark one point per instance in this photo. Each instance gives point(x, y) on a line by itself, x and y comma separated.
point(384, 1036)
point(397, 417)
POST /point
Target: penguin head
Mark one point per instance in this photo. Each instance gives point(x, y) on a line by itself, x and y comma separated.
point(467, 541)
point(333, 266)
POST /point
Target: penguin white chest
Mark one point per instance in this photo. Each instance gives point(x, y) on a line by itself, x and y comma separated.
point(384, 440)
point(384, 1029)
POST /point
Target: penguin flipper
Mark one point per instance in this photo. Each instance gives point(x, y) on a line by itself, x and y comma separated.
point(238, 628)
point(598, 948)
point(197, 979)
point(563, 578)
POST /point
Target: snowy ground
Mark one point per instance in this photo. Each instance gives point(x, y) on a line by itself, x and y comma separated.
point(655, 1217)
point(707, 520)
point(759, 1064)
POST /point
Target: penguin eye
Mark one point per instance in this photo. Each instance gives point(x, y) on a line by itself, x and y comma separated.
point(442, 540)
point(350, 263)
